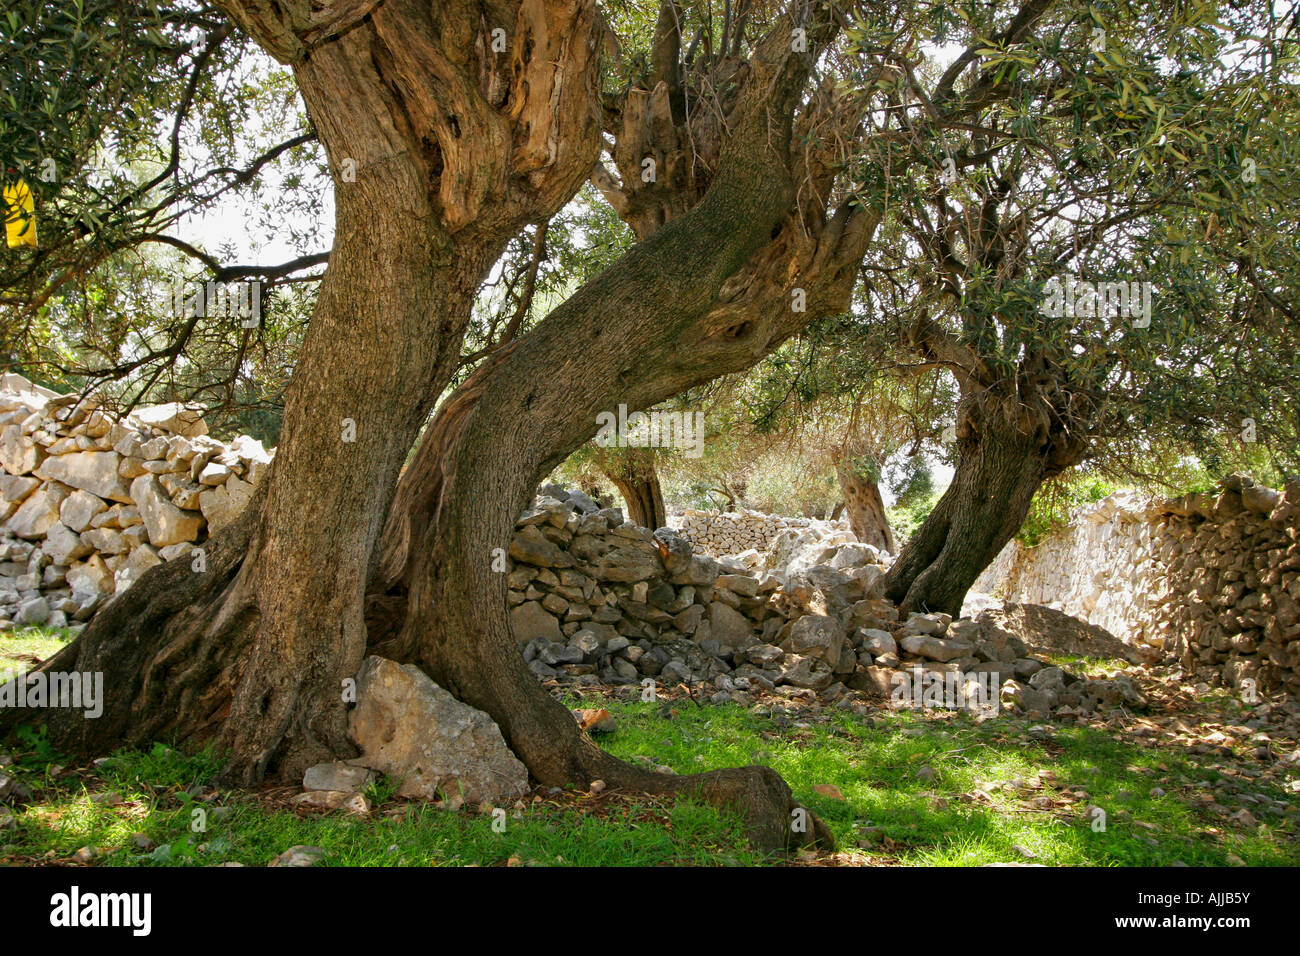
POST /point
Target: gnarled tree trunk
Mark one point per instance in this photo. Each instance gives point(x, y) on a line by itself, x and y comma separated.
point(858, 479)
point(633, 473)
point(1008, 443)
point(441, 150)
point(253, 649)
point(662, 311)
point(707, 294)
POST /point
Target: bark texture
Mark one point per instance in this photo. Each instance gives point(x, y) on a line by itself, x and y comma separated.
point(858, 480)
point(696, 298)
point(634, 475)
point(441, 149)
point(1009, 441)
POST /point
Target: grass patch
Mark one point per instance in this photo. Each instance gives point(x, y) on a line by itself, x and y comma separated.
point(24, 649)
point(152, 808)
point(946, 790)
point(918, 788)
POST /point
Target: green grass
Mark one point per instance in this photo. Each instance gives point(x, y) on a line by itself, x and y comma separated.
point(929, 788)
point(20, 649)
point(937, 821)
point(152, 795)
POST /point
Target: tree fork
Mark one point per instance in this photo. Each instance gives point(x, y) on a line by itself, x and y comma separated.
point(662, 310)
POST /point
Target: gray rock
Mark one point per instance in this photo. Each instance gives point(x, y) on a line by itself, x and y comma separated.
point(926, 624)
point(412, 730)
point(1025, 698)
point(817, 635)
point(629, 563)
point(529, 545)
point(741, 584)
point(586, 642)
point(166, 523)
point(39, 512)
point(809, 672)
point(877, 642)
point(64, 545)
point(677, 671)
point(34, 612)
point(674, 550)
point(80, 508)
point(93, 471)
point(542, 670)
point(555, 654)
point(583, 504)
point(14, 488)
point(530, 620)
point(728, 626)
point(299, 856)
point(1049, 679)
point(935, 649)
point(11, 791)
point(337, 775)
point(221, 505)
point(1025, 667)
point(873, 680)
point(19, 454)
point(764, 655)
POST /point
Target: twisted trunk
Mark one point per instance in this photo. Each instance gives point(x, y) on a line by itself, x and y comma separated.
point(863, 502)
point(633, 472)
point(655, 313)
point(252, 650)
point(441, 150)
point(1008, 443)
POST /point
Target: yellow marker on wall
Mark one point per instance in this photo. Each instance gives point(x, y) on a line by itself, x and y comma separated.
point(20, 216)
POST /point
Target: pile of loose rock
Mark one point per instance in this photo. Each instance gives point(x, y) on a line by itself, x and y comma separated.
point(89, 501)
point(597, 600)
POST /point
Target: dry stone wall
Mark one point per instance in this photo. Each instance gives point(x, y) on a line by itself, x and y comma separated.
point(597, 600)
point(731, 532)
point(89, 501)
point(1210, 580)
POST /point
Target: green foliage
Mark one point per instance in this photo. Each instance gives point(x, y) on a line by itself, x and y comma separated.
point(907, 515)
point(1056, 499)
point(912, 481)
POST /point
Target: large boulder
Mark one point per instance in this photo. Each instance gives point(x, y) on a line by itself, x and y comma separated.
point(414, 731)
point(93, 471)
point(166, 523)
point(39, 512)
point(173, 417)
